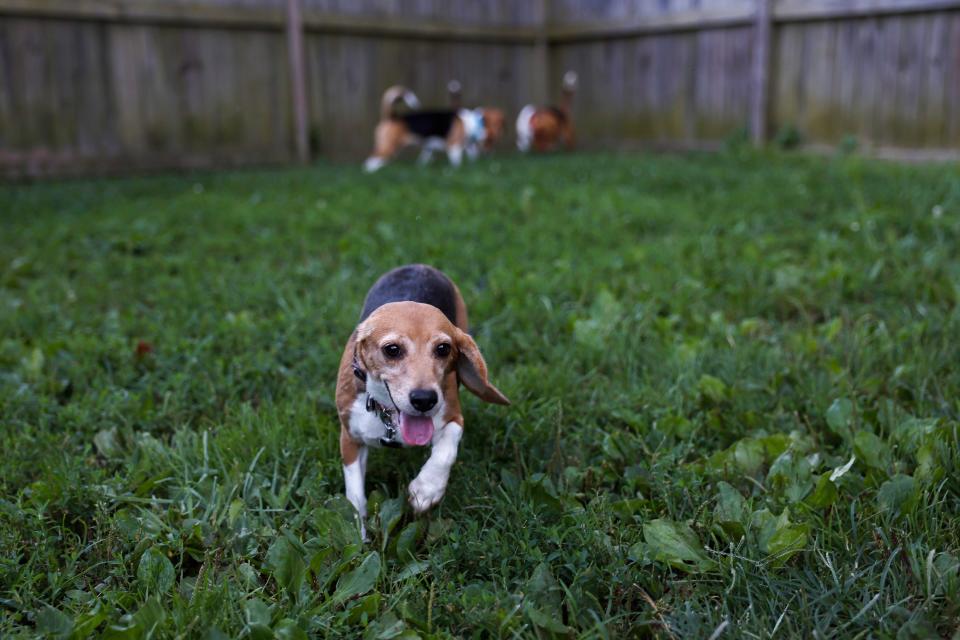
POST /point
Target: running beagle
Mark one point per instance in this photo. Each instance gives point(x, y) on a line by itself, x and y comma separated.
point(483, 126)
point(453, 130)
point(544, 127)
point(399, 377)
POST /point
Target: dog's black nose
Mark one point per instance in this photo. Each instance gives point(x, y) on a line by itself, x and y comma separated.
point(423, 399)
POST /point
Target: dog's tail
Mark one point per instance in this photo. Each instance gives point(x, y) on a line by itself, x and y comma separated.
point(394, 96)
point(455, 91)
point(525, 127)
point(569, 88)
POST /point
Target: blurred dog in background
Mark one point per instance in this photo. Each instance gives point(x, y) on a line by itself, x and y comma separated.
point(544, 128)
point(454, 130)
point(483, 126)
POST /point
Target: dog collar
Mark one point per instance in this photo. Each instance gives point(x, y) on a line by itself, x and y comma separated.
point(473, 124)
point(390, 440)
point(386, 417)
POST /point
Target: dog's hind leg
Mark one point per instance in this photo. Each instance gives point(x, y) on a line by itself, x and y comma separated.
point(387, 140)
point(373, 163)
point(568, 138)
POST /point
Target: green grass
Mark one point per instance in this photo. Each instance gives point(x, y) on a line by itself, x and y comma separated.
point(693, 344)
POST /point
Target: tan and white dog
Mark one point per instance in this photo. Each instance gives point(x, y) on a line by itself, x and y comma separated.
point(483, 126)
point(399, 377)
point(453, 130)
point(544, 128)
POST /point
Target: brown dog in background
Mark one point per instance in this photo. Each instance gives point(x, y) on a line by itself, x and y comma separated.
point(544, 128)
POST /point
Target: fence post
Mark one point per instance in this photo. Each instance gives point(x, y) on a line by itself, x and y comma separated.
point(298, 79)
point(760, 73)
point(541, 54)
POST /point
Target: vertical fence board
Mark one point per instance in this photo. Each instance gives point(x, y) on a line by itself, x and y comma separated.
point(952, 99)
point(845, 81)
point(6, 89)
point(818, 82)
point(909, 78)
point(785, 84)
point(885, 106)
point(760, 72)
point(867, 86)
point(935, 82)
point(123, 57)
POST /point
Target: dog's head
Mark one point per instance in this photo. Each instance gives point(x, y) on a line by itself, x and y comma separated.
point(412, 353)
point(493, 122)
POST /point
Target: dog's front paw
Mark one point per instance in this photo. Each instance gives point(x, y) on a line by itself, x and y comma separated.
point(425, 492)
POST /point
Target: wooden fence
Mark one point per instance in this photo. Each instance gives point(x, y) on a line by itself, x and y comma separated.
point(103, 85)
point(885, 73)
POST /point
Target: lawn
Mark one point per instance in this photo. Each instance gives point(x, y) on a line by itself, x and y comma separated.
point(735, 385)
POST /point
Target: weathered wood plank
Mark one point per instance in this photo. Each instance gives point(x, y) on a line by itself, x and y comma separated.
point(844, 79)
point(670, 50)
point(818, 120)
point(265, 16)
point(803, 10)
point(710, 58)
point(541, 65)
point(788, 66)
point(7, 109)
point(760, 73)
point(591, 26)
point(298, 80)
point(866, 84)
point(952, 99)
point(885, 114)
point(700, 102)
point(93, 108)
point(909, 80)
point(638, 26)
point(742, 91)
point(124, 58)
point(350, 18)
point(687, 91)
point(934, 86)
point(646, 126)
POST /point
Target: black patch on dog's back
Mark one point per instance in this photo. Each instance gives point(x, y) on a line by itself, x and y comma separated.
point(560, 114)
point(414, 283)
point(429, 124)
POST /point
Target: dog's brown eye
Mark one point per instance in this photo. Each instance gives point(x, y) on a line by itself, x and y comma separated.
point(442, 350)
point(392, 351)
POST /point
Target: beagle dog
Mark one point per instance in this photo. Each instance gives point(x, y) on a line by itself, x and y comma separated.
point(544, 128)
point(398, 380)
point(452, 130)
point(483, 126)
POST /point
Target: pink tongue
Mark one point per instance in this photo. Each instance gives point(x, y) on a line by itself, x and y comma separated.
point(416, 430)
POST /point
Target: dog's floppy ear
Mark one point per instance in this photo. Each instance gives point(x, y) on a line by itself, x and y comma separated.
point(473, 370)
point(360, 337)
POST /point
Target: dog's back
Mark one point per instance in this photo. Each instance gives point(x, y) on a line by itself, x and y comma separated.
point(415, 283)
point(429, 124)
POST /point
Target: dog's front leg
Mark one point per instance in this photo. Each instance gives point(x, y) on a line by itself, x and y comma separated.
point(430, 484)
point(353, 477)
point(426, 154)
point(473, 151)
